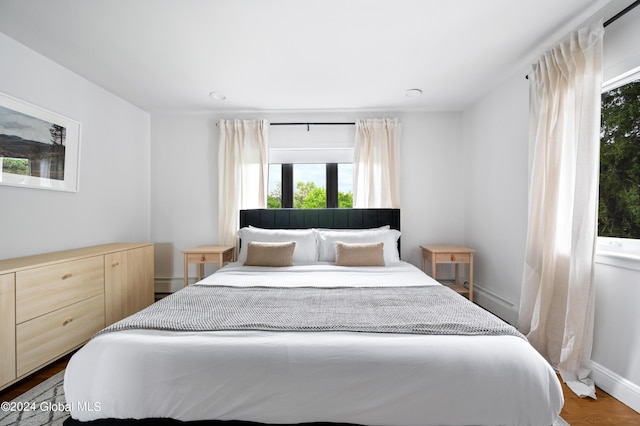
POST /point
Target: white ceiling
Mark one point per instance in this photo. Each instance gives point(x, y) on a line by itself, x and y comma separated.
point(168, 55)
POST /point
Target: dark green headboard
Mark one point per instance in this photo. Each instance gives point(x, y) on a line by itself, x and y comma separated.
point(321, 218)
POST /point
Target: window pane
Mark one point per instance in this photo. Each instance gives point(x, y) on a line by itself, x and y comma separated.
point(274, 196)
point(619, 204)
point(345, 186)
point(309, 186)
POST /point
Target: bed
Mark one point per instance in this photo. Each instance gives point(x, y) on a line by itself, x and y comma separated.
point(348, 364)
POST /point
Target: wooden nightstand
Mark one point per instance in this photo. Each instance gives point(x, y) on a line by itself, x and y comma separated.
point(206, 254)
point(450, 254)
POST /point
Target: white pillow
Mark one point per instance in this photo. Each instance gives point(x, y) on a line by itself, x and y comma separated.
point(305, 239)
point(327, 242)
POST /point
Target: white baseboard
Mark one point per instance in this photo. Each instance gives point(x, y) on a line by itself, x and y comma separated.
point(495, 304)
point(168, 285)
point(617, 386)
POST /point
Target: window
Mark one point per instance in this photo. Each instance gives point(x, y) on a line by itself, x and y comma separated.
point(311, 166)
point(619, 203)
point(315, 185)
point(274, 195)
point(309, 186)
point(345, 185)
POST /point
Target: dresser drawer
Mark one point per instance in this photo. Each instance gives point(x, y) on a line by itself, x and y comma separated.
point(48, 288)
point(453, 257)
point(45, 338)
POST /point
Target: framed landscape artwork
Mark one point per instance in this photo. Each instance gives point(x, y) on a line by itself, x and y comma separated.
point(38, 148)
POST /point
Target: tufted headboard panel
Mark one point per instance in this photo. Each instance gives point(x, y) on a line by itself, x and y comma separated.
point(321, 218)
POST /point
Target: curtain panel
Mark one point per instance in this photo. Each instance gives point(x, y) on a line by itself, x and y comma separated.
point(243, 168)
point(557, 300)
point(376, 164)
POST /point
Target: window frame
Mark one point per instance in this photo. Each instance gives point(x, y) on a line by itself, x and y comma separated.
point(619, 251)
point(287, 187)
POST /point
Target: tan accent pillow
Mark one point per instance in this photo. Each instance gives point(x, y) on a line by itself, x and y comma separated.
point(365, 254)
point(270, 254)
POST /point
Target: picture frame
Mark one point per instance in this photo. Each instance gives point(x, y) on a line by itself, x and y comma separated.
point(38, 148)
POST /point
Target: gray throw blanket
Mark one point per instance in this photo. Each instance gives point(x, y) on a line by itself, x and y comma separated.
point(409, 310)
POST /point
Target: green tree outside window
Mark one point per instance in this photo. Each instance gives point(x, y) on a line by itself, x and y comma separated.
point(619, 203)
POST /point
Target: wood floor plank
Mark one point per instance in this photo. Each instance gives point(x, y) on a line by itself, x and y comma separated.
point(604, 411)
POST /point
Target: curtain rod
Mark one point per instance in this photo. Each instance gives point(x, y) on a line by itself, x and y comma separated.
point(614, 18)
point(622, 13)
point(315, 124)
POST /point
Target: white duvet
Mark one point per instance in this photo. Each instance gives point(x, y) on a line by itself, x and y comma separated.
point(291, 377)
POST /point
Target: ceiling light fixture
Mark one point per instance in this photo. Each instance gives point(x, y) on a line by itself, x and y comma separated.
point(412, 93)
point(217, 96)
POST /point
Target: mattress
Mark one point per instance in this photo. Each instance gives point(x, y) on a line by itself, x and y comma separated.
point(296, 377)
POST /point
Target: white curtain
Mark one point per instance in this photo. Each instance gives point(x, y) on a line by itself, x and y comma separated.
point(376, 180)
point(242, 172)
point(557, 301)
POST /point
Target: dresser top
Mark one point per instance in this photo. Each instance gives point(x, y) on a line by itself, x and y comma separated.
point(447, 249)
point(27, 262)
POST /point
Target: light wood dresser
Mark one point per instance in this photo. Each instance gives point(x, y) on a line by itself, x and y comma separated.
point(51, 304)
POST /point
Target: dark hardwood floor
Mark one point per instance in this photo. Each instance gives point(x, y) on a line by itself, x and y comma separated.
point(605, 411)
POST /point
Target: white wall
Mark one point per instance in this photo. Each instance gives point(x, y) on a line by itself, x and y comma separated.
point(432, 182)
point(184, 196)
point(496, 157)
point(113, 201)
point(616, 349)
point(496, 152)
